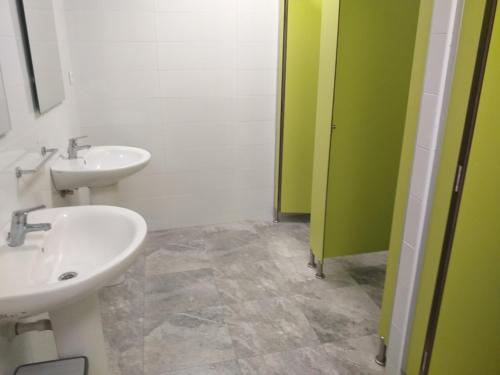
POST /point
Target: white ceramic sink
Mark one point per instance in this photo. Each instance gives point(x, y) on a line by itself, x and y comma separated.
point(98, 243)
point(98, 166)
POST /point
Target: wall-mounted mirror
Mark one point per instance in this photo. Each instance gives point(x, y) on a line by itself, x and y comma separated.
point(42, 53)
point(4, 109)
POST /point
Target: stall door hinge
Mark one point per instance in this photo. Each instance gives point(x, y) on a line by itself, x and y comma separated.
point(334, 126)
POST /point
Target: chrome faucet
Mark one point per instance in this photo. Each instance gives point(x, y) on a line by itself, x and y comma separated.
point(19, 226)
point(73, 147)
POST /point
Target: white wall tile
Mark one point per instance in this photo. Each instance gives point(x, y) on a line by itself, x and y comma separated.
point(421, 173)
point(413, 225)
point(196, 87)
point(193, 83)
point(261, 55)
point(220, 26)
point(119, 84)
point(257, 82)
point(132, 5)
point(179, 26)
point(263, 6)
point(196, 26)
point(257, 27)
point(112, 26)
point(441, 18)
point(180, 5)
point(427, 130)
point(402, 298)
point(256, 108)
point(177, 110)
point(94, 57)
point(435, 63)
point(196, 5)
point(197, 56)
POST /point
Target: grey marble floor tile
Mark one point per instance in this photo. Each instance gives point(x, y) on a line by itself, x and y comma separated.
point(361, 351)
point(246, 281)
point(368, 275)
point(122, 315)
point(125, 357)
point(303, 361)
point(187, 339)
point(177, 257)
point(205, 296)
point(125, 300)
point(177, 292)
point(223, 368)
point(267, 326)
point(281, 246)
point(336, 277)
point(190, 236)
point(375, 293)
point(238, 253)
point(230, 236)
point(296, 230)
point(286, 240)
point(377, 258)
point(300, 265)
point(337, 315)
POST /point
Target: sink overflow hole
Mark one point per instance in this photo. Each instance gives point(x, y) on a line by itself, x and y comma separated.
point(67, 276)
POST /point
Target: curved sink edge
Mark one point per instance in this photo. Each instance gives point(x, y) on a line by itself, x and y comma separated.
point(84, 286)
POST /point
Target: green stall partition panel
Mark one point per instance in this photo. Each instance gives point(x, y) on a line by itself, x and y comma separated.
point(406, 162)
point(326, 85)
point(299, 86)
point(467, 340)
point(374, 60)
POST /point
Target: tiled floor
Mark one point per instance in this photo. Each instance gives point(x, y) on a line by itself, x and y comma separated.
point(239, 299)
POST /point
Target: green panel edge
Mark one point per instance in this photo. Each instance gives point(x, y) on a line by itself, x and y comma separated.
point(466, 58)
point(301, 85)
point(327, 60)
point(406, 162)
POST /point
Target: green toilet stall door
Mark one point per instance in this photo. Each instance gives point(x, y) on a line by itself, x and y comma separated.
point(457, 331)
point(297, 91)
point(360, 123)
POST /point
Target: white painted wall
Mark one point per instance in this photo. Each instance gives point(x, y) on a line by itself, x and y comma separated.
point(21, 147)
point(192, 81)
point(446, 21)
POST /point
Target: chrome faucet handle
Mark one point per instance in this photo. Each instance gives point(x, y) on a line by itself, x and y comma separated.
point(74, 147)
point(25, 211)
point(79, 137)
point(75, 139)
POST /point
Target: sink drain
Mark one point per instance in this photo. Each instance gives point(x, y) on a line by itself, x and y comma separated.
point(67, 276)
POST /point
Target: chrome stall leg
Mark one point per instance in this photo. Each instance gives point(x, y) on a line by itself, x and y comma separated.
point(380, 358)
point(312, 260)
point(276, 216)
point(319, 270)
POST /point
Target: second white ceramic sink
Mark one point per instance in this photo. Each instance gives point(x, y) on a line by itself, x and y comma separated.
point(98, 166)
point(87, 247)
